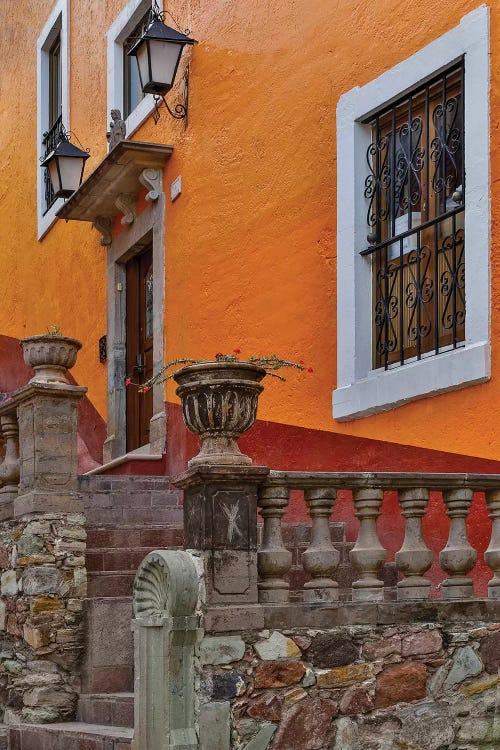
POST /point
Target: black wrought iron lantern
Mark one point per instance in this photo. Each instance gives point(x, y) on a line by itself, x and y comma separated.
point(158, 52)
point(65, 165)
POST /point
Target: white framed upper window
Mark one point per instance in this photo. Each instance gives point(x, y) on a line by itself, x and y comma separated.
point(124, 92)
point(413, 226)
point(52, 104)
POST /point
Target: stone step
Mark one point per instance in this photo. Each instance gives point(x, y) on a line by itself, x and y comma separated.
point(108, 662)
point(71, 735)
point(110, 709)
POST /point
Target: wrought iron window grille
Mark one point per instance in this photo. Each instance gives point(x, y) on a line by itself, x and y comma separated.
point(415, 193)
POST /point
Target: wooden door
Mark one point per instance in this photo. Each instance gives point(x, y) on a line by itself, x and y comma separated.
point(139, 347)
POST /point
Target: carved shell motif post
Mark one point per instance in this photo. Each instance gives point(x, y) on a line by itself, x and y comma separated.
point(273, 560)
point(321, 559)
point(458, 557)
point(166, 628)
point(368, 555)
point(414, 558)
point(492, 554)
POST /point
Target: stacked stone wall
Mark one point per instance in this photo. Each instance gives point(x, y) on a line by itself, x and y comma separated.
point(409, 687)
point(43, 582)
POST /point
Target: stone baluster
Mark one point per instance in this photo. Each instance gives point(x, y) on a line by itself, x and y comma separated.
point(492, 554)
point(414, 558)
point(9, 468)
point(321, 559)
point(273, 560)
point(368, 555)
point(458, 557)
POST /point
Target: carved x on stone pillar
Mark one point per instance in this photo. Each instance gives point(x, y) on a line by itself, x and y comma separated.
point(220, 521)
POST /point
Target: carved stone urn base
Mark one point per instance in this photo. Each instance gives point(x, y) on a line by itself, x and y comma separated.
point(216, 449)
point(50, 357)
point(219, 403)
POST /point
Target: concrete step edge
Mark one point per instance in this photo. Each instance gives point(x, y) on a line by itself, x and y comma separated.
point(79, 729)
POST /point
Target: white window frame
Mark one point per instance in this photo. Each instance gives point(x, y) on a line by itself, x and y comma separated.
point(118, 32)
point(57, 23)
point(361, 390)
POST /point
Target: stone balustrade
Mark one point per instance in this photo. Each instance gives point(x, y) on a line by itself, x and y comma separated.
point(368, 555)
point(9, 466)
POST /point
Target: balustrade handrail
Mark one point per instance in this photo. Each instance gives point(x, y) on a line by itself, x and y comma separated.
point(384, 480)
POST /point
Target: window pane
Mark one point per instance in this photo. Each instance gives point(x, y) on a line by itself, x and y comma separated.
point(415, 193)
point(132, 92)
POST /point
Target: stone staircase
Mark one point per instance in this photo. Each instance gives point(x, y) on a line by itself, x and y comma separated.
point(71, 735)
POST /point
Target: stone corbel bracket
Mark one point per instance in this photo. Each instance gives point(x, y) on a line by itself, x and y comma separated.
point(126, 203)
point(104, 225)
point(151, 179)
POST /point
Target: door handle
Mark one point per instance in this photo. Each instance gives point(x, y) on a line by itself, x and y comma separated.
point(139, 365)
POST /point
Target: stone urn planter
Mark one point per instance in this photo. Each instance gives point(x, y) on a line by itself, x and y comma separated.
point(219, 403)
point(50, 357)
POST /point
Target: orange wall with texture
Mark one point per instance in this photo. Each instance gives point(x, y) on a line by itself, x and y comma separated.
point(250, 243)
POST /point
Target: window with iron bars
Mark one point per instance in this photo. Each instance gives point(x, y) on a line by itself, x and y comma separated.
point(415, 193)
point(51, 137)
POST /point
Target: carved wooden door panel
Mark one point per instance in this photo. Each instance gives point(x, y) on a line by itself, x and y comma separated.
point(139, 347)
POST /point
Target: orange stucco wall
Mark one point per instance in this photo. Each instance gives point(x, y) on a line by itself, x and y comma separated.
point(250, 244)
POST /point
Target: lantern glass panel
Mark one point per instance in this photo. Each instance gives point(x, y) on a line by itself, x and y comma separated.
point(70, 169)
point(164, 60)
point(54, 176)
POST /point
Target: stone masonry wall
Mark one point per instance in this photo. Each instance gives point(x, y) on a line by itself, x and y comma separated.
point(411, 687)
point(43, 581)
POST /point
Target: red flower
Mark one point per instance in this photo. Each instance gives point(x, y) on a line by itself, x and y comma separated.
point(237, 351)
point(128, 381)
point(310, 369)
point(145, 388)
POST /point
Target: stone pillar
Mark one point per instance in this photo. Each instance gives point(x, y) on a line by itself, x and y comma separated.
point(274, 560)
point(368, 555)
point(48, 416)
point(321, 559)
point(458, 557)
point(414, 558)
point(9, 468)
point(492, 554)
point(166, 629)
point(220, 521)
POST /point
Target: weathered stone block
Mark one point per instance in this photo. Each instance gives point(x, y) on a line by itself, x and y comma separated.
point(267, 707)
point(41, 580)
point(278, 674)
point(380, 648)
point(215, 726)
point(418, 644)
point(227, 685)
point(222, 650)
point(262, 739)
point(356, 700)
point(489, 651)
point(307, 726)
point(36, 637)
point(466, 663)
point(9, 583)
point(342, 676)
point(277, 646)
point(332, 650)
point(401, 683)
